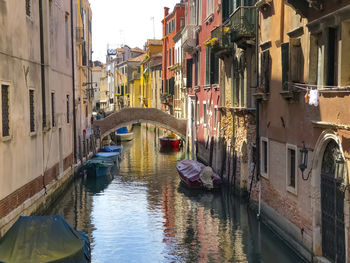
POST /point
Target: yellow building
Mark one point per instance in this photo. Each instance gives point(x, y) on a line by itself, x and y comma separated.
point(153, 49)
point(84, 85)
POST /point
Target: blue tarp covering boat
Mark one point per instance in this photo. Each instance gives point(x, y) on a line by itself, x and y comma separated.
point(109, 156)
point(122, 130)
point(112, 148)
point(37, 239)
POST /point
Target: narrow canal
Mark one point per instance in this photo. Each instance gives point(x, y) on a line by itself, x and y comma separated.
point(141, 214)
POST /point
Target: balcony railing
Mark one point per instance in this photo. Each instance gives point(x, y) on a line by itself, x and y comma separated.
point(135, 76)
point(80, 35)
point(189, 38)
point(223, 46)
point(243, 23)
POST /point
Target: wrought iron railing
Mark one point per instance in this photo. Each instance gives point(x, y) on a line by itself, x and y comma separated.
point(243, 22)
point(189, 38)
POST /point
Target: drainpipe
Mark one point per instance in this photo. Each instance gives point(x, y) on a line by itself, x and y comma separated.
point(42, 60)
point(73, 86)
point(257, 107)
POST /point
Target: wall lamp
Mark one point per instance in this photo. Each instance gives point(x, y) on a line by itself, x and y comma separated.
point(303, 162)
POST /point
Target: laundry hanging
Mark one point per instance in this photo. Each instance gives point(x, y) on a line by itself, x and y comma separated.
point(307, 96)
point(314, 97)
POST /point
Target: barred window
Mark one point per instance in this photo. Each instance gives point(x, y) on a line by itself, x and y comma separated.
point(28, 8)
point(31, 110)
point(5, 111)
point(53, 109)
point(68, 120)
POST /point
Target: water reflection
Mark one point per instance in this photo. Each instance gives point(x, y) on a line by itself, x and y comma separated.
point(142, 214)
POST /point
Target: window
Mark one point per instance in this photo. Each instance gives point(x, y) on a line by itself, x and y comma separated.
point(67, 103)
point(197, 113)
point(211, 67)
point(67, 35)
point(210, 7)
point(173, 56)
point(169, 64)
point(199, 8)
point(53, 109)
point(189, 64)
point(264, 157)
point(29, 8)
point(205, 113)
point(291, 168)
point(5, 111)
point(31, 111)
point(86, 111)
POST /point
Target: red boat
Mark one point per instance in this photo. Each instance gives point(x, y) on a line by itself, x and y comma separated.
point(168, 142)
point(190, 171)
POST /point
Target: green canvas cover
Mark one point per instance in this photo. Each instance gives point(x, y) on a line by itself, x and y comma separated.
point(36, 239)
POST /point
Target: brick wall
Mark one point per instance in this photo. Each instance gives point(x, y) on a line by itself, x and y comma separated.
point(27, 191)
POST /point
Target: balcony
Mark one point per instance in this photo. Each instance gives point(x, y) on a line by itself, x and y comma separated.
point(243, 25)
point(189, 38)
point(135, 76)
point(223, 47)
point(80, 35)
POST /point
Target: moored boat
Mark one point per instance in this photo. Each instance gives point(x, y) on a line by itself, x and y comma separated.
point(196, 175)
point(123, 135)
point(170, 141)
point(99, 166)
point(111, 156)
point(44, 239)
point(111, 148)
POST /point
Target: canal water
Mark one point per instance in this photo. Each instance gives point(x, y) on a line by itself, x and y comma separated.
point(141, 213)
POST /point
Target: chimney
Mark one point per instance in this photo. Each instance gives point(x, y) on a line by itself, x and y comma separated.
point(166, 11)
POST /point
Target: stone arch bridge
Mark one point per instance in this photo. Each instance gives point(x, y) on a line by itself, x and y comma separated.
point(129, 116)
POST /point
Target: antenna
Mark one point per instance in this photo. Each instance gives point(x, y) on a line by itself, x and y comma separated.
point(154, 31)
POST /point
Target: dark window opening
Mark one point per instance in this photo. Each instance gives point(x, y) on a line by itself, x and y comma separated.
point(332, 59)
point(53, 109)
point(189, 65)
point(5, 112)
point(31, 110)
point(285, 65)
point(67, 102)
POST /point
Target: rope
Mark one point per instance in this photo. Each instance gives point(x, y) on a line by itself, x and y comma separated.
point(321, 88)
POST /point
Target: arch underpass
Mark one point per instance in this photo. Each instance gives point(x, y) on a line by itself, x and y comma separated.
point(129, 116)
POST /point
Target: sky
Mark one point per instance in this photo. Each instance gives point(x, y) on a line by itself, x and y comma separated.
point(117, 22)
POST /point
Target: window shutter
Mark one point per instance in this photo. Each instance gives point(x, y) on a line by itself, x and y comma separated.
point(189, 64)
point(207, 66)
point(296, 63)
point(285, 65)
point(265, 71)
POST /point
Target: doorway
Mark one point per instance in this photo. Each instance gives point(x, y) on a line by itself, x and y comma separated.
point(332, 205)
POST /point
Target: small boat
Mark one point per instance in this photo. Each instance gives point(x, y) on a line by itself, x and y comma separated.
point(171, 142)
point(99, 166)
point(196, 175)
point(111, 156)
point(124, 135)
point(110, 148)
point(44, 239)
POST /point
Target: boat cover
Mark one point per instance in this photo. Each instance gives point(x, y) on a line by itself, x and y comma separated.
point(122, 130)
point(37, 239)
point(190, 169)
point(107, 155)
point(109, 148)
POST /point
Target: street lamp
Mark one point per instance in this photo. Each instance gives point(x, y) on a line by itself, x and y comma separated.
point(303, 161)
point(339, 166)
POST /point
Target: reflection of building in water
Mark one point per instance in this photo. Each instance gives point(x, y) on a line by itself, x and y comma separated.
point(76, 207)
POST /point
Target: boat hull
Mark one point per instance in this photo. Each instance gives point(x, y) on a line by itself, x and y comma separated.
point(169, 143)
point(124, 137)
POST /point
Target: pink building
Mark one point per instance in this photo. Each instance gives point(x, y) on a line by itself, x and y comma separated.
point(202, 73)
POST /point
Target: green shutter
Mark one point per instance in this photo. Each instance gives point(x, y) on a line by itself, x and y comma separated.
point(189, 73)
point(207, 66)
point(285, 65)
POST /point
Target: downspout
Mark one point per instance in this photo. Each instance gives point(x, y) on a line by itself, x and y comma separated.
point(257, 106)
point(42, 61)
point(73, 80)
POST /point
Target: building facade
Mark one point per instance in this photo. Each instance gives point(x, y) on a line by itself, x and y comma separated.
point(172, 24)
point(302, 113)
point(36, 78)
